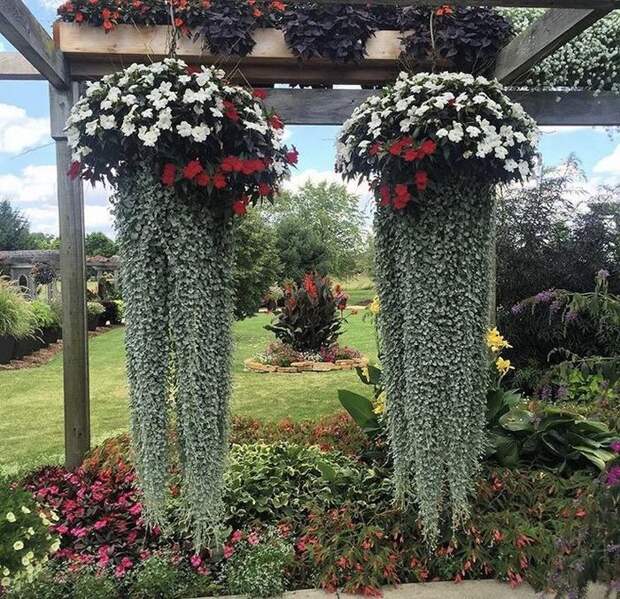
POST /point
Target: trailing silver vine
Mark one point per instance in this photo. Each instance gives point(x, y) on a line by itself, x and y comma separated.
point(433, 276)
point(176, 262)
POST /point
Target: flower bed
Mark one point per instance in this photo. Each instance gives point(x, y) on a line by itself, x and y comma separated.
point(254, 365)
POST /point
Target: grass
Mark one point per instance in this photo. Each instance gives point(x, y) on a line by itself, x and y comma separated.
point(359, 289)
point(31, 406)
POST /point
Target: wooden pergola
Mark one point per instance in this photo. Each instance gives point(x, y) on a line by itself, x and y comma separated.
point(81, 54)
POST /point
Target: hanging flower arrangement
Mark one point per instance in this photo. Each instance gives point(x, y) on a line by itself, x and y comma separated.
point(198, 133)
point(433, 147)
point(430, 125)
point(184, 152)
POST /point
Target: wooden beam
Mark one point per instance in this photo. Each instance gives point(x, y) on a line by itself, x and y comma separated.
point(13, 66)
point(21, 29)
point(554, 29)
point(73, 277)
point(596, 4)
point(334, 106)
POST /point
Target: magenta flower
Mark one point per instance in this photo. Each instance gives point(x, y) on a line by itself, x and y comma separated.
point(615, 446)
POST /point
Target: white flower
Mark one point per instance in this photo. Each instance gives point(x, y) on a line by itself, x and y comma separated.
point(442, 133)
point(421, 110)
point(128, 126)
point(149, 136)
point(467, 154)
point(456, 134)
point(405, 124)
point(114, 94)
point(524, 168)
point(129, 99)
point(18, 545)
point(105, 105)
point(473, 131)
point(147, 114)
point(107, 121)
point(73, 137)
point(501, 152)
point(165, 119)
point(510, 165)
point(216, 112)
point(25, 510)
point(93, 88)
point(10, 516)
point(200, 133)
point(91, 127)
point(184, 129)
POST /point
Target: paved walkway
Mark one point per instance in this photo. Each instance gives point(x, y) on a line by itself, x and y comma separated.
point(471, 589)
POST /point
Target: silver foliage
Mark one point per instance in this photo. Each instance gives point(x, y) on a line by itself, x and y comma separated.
point(433, 276)
point(176, 262)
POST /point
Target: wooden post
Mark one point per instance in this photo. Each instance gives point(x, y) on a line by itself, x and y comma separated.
point(73, 285)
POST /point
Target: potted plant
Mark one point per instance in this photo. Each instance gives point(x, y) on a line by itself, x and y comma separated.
point(47, 322)
point(94, 312)
point(186, 153)
point(434, 147)
point(16, 320)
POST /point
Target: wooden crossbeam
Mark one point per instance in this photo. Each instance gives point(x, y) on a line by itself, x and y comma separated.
point(334, 106)
point(554, 29)
point(595, 4)
point(22, 29)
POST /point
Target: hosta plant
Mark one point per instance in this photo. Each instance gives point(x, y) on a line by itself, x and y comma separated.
point(184, 151)
point(433, 147)
point(309, 319)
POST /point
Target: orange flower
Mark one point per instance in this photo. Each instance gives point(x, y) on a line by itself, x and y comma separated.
point(443, 10)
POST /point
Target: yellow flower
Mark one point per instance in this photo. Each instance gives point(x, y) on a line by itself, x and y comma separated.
point(10, 516)
point(55, 546)
point(375, 306)
point(25, 560)
point(30, 555)
point(503, 366)
point(495, 341)
point(30, 532)
point(5, 582)
point(379, 407)
point(5, 571)
point(18, 545)
point(25, 510)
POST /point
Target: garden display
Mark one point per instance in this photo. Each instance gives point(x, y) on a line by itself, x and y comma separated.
point(433, 147)
point(185, 152)
point(307, 328)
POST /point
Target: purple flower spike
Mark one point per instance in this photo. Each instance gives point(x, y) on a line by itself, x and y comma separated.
point(544, 297)
point(602, 274)
point(517, 308)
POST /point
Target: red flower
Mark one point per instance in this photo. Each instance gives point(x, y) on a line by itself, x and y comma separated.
point(264, 189)
point(228, 551)
point(412, 154)
point(219, 181)
point(421, 180)
point(240, 206)
point(276, 122)
point(403, 197)
point(292, 156)
point(108, 26)
point(231, 111)
point(192, 169)
point(253, 538)
point(179, 22)
point(202, 179)
point(261, 94)
point(384, 194)
point(231, 163)
point(443, 10)
point(192, 69)
point(169, 174)
point(374, 149)
point(428, 147)
point(106, 13)
point(279, 6)
point(395, 149)
point(74, 169)
point(236, 536)
point(79, 17)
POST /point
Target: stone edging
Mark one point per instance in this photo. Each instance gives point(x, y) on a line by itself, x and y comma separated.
point(297, 367)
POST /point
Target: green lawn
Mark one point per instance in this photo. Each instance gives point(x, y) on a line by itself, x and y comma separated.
point(31, 413)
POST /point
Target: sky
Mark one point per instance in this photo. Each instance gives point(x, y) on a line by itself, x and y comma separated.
point(27, 155)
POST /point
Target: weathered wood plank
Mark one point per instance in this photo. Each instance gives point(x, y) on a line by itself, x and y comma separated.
point(14, 66)
point(21, 28)
point(544, 36)
point(73, 273)
point(602, 4)
point(334, 106)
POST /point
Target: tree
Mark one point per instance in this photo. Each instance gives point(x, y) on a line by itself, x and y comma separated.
point(14, 228)
point(300, 249)
point(99, 244)
point(545, 241)
point(256, 263)
point(335, 219)
point(43, 241)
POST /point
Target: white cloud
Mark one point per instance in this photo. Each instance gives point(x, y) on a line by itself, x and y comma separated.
point(33, 191)
point(610, 163)
point(50, 4)
point(19, 132)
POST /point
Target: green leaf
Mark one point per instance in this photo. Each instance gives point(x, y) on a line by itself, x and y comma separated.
point(361, 410)
point(517, 419)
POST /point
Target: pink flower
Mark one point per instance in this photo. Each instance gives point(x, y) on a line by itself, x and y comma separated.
point(102, 523)
point(228, 551)
point(236, 536)
point(195, 560)
point(253, 538)
point(615, 446)
point(136, 509)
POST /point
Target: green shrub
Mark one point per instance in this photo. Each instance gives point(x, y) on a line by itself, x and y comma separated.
point(95, 309)
point(16, 316)
point(44, 315)
point(164, 577)
point(89, 584)
point(270, 483)
point(309, 319)
point(257, 568)
point(45, 585)
point(25, 541)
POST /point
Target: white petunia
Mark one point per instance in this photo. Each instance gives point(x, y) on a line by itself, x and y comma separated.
point(91, 127)
point(147, 114)
point(129, 99)
point(501, 152)
point(200, 133)
point(105, 105)
point(524, 168)
point(184, 129)
point(107, 121)
point(442, 133)
point(149, 136)
point(511, 165)
point(473, 131)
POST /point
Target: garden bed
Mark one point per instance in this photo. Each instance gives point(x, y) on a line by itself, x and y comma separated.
point(306, 366)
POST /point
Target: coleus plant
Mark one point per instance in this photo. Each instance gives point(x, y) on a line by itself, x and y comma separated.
point(197, 131)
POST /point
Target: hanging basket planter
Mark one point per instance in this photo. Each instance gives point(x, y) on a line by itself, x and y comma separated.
point(185, 152)
point(433, 148)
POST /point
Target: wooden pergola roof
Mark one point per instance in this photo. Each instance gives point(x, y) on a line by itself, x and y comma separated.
point(38, 57)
